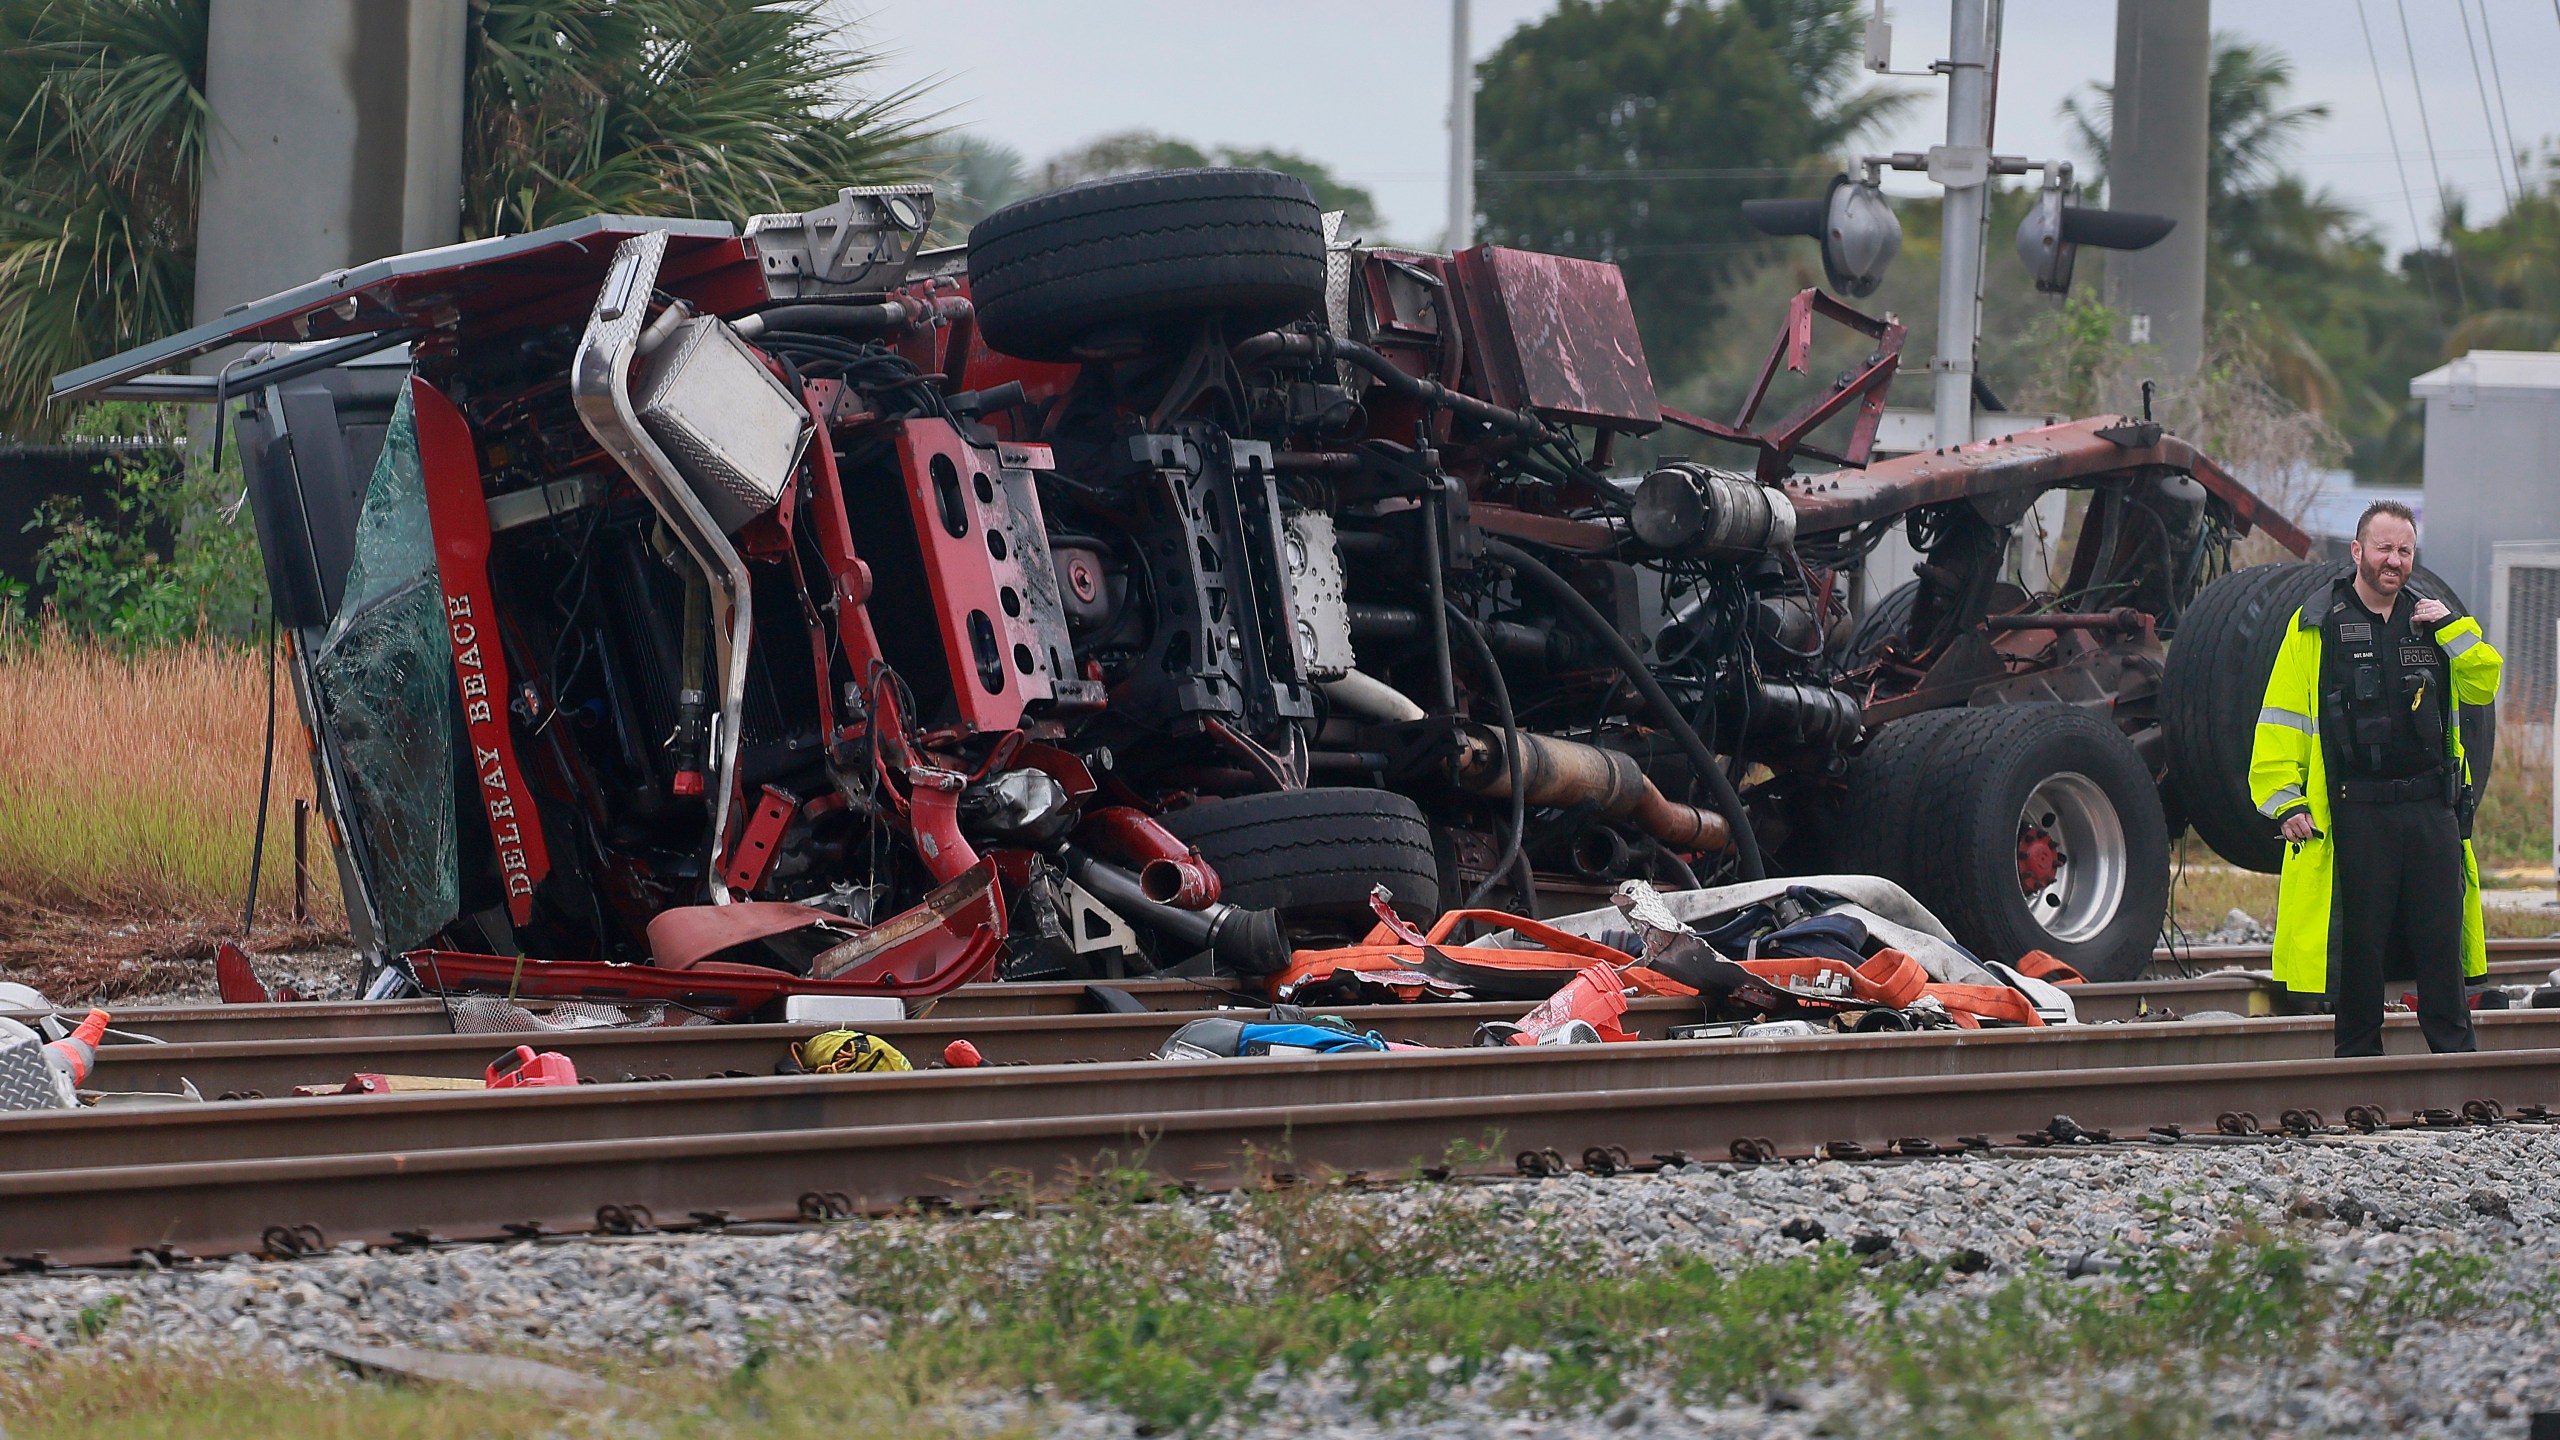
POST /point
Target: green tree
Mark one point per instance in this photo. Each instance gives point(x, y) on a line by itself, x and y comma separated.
point(2296, 278)
point(2510, 268)
point(654, 107)
point(103, 103)
point(719, 108)
point(973, 178)
point(1131, 151)
point(2248, 127)
point(1632, 130)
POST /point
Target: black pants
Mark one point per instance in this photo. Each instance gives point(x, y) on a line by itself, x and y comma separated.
point(2397, 894)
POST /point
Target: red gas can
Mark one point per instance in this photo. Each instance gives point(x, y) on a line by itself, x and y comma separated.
point(521, 1068)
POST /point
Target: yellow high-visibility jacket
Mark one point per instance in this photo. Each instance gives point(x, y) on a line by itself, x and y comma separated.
point(2287, 773)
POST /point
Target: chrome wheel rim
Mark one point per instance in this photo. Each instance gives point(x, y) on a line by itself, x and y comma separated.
point(2072, 859)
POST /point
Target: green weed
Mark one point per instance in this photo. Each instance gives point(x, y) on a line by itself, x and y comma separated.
point(1179, 1314)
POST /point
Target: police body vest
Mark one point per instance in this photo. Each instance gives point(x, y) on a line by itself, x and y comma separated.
point(2372, 674)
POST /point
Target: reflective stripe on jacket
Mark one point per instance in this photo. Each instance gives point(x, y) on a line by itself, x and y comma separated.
point(2288, 772)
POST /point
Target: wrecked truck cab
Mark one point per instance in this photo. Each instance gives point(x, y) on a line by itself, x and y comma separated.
point(1115, 595)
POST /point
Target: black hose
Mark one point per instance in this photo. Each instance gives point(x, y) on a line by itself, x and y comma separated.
point(1248, 942)
point(1434, 507)
point(1430, 392)
point(266, 781)
point(828, 319)
point(1512, 759)
point(1529, 567)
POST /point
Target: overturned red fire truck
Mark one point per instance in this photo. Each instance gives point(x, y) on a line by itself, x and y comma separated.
point(1147, 581)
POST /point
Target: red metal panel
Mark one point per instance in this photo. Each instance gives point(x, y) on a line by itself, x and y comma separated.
point(760, 845)
point(458, 513)
point(956, 493)
point(1557, 336)
point(2036, 459)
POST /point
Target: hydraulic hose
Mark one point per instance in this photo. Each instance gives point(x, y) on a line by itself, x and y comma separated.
point(894, 313)
point(1512, 756)
point(1528, 567)
point(1413, 387)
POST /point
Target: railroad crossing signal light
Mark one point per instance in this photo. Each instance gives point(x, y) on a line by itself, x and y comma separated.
point(2049, 239)
point(1859, 232)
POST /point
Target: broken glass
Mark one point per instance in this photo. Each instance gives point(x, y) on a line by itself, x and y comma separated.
point(384, 674)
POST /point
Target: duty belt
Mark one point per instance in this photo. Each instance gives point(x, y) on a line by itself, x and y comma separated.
point(2429, 786)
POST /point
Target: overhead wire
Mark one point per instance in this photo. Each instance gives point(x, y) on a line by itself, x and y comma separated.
point(2481, 84)
point(2427, 130)
point(2400, 162)
point(2489, 42)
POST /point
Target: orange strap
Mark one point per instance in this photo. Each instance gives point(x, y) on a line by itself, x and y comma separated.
point(2037, 965)
point(1987, 1002)
point(1888, 977)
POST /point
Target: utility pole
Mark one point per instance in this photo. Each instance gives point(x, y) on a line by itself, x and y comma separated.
point(1963, 166)
point(335, 138)
point(2156, 162)
point(1462, 132)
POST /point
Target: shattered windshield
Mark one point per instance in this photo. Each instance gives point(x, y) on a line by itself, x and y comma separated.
point(384, 674)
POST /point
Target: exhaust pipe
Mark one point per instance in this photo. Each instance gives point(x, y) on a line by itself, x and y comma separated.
point(1169, 872)
point(1559, 773)
point(1248, 942)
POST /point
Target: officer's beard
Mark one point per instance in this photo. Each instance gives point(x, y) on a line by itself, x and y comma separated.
point(2383, 583)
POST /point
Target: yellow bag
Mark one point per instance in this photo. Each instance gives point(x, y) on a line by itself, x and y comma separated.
point(840, 1052)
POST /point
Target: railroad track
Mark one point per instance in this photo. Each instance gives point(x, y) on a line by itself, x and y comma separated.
point(436, 1120)
point(882, 1159)
point(269, 1067)
point(98, 1186)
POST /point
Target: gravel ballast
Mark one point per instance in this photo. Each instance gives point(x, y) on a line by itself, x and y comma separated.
point(705, 1300)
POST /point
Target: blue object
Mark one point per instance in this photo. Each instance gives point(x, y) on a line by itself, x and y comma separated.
point(1258, 1039)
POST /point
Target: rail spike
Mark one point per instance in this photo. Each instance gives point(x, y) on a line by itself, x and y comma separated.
point(633, 1219)
point(293, 1242)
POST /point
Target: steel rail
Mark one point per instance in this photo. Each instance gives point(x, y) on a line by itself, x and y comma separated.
point(272, 1068)
point(430, 1120)
point(102, 1216)
point(2245, 992)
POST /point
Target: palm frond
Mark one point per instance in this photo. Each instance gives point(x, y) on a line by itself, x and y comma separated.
point(102, 144)
point(719, 108)
point(654, 107)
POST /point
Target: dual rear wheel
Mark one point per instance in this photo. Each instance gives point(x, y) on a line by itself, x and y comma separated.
point(2022, 827)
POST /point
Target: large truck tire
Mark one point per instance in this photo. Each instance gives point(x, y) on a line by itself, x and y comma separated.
point(1313, 854)
point(2038, 827)
point(1888, 619)
point(1872, 830)
point(1141, 254)
point(2216, 681)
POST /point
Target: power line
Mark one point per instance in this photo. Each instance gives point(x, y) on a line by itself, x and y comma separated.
point(2481, 84)
point(2426, 129)
point(2489, 41)
point(2392, 132)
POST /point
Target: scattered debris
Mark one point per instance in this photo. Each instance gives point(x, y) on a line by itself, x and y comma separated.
point(490, 1373)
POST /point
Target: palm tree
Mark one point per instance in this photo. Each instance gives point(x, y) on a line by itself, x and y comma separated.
point(720, 108)
point(717, 108)
point(106, 119)
point(2270, 238)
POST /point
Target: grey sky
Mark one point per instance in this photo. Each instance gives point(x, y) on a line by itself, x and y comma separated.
point(1362, 84)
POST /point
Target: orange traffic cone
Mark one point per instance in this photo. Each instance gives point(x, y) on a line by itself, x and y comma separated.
point(74, 1053)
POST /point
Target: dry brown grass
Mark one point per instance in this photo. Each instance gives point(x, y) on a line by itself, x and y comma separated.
point(129, 784)
point(2513, 828)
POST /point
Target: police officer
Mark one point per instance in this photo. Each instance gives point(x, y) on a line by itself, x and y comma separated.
point(2359, 763)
